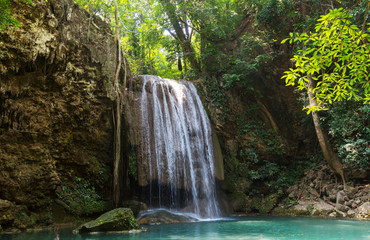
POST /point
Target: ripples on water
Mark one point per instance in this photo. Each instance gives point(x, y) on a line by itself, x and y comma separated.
point(246, 228)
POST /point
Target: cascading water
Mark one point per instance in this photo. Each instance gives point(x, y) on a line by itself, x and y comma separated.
point(177, 151)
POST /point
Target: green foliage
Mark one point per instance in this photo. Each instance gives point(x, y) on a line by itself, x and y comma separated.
point(5, 16)
point(348, 125)
point(81, 198)
point(277, 16)
point(356, 153)
point(248, 124)
point(336, 56)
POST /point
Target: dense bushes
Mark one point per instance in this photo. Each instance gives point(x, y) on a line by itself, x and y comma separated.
point(349, 127)
point(80, 198)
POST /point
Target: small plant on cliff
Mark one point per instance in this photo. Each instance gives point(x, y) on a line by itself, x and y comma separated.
point(132, 165)
point(6, 18)
point(80, 197)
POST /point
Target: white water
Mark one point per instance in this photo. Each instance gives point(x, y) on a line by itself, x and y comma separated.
point(177, 147)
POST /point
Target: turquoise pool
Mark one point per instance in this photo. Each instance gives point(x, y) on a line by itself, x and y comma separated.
point(231, 228)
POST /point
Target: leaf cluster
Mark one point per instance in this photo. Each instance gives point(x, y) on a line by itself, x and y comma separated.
point(336, 56)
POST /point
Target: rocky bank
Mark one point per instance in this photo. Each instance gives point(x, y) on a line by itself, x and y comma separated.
point(320, 194)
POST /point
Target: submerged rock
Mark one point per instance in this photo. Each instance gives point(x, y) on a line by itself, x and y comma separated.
point(119, 219)
point(163, 216)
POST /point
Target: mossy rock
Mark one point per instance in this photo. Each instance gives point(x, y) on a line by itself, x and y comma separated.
point(119, 219)
point(265, 205)
point(281, 210)
point(240, 202)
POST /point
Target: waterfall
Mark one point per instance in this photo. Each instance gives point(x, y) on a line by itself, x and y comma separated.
point(176, 150)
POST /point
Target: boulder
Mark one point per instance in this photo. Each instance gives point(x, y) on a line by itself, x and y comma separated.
point(364, 211)
point(265, 205)
point(333, 214)
point(162, 216)
point(17, 216)
point(119, 219)
point(341, 207)
point(351, 213)
point(341, 197)
point(331, 192)
point(321, 207)
point(293, 191)
point(303, 208)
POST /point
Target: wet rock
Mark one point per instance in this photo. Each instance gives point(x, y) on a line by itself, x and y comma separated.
point(119, 219)
point(163, 217)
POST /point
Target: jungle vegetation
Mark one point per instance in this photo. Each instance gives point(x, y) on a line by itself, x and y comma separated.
point(226, 42)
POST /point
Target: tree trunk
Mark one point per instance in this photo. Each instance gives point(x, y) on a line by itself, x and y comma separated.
point(117, 116)
point(189, 52)
point(150, 62)
point(329, 155)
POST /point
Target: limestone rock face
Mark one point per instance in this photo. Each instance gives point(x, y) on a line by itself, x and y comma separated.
point(119, 219)
point(55, 107)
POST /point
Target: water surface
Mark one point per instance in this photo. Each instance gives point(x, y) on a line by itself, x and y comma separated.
point(233, 228)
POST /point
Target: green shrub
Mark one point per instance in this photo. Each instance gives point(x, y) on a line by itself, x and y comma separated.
point(81, 198)
point(348, 124)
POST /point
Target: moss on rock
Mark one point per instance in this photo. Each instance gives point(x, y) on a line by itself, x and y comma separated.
point(265, 205)
point(119, 219)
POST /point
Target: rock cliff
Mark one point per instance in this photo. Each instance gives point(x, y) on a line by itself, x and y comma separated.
point(55, 107)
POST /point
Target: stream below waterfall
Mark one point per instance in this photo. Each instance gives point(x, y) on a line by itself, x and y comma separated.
point(230, 228)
